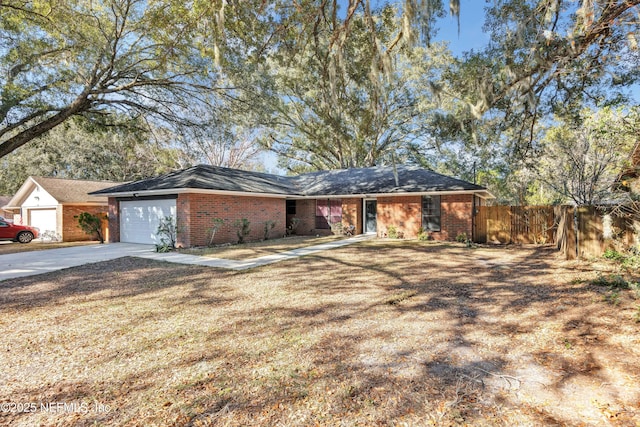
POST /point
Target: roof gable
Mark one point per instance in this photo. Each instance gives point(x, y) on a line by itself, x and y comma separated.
point(62, 190)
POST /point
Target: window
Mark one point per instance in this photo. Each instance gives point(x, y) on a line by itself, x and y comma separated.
point(291, 207)
point(328, 211)
point(431, 213)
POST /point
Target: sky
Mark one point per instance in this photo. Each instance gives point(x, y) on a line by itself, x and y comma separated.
point(471, 22)
point(471, 35)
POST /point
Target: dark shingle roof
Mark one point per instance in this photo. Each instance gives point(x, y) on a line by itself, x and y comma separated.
point(206, 177)
point(374, 180)
point(379, 179)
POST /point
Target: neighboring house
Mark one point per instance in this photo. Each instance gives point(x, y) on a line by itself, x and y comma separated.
point(369, 199)
point(52, 203)
point(4, 200)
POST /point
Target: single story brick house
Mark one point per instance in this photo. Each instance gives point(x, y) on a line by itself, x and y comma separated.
point(369, 199)
point(52, 203)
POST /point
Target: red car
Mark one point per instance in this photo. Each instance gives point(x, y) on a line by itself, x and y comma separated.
point(17, 233)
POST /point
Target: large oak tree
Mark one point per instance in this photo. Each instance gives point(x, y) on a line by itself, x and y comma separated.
point(63, 58)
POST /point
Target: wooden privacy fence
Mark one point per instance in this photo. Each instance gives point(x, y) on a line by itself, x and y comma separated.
point(514, 224)
point(585, 231)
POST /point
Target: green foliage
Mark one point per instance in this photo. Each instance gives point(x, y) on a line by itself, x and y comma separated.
point(268, 226)
point(614, 255)
point(114, 149)
point(614, 281)
point(167, 232)
point(243, 228)
point(629, 259)
point(392, 232)
point(423, 235)
point(72, 58)
point(91, 224)
point(462, 238)
point(338, 104)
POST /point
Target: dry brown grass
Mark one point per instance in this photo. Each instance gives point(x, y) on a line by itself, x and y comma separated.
point(379, 333)
point(257, 249)
point(14, 247)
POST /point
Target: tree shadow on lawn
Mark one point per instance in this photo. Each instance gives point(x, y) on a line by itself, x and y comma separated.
point(358, 335)
point(119, 278)
point(505, 300)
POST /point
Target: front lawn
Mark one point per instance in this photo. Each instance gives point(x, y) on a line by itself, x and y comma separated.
point(377, 333)
point(257, 249)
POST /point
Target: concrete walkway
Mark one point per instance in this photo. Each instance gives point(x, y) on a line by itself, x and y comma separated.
point(45, 261)
point(253, 262)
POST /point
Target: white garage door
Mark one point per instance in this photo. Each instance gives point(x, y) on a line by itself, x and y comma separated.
point(44, 219)
point(139, 219)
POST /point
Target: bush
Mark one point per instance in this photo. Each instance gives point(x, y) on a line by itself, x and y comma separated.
point(629, 260)
point(167, 232)
point(91, 224)
point(614, 281)
point(461, 238)
point(423, 235)
point(268, 226)
point(392, 232)
point(612, 254)
point(243, 226)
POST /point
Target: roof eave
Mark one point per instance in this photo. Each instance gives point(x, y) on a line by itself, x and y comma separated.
point(170, 191)
point(484, 194)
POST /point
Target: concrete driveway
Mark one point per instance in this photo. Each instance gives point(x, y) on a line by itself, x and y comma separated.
point(38, 262)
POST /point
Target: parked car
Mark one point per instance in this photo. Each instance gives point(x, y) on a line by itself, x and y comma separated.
point(17, 233)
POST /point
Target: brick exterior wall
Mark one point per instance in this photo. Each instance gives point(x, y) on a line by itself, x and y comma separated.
point(70, 230)
point(457, 216)
point(352, 214)
point(195, 214)
point(114, 220)
point(403, 212)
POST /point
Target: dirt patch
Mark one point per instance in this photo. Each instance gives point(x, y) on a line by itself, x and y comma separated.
point(376, 333)
point(259, 249)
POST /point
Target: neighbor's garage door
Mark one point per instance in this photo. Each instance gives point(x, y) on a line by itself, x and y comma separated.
point(139, 219)
point(44, 219)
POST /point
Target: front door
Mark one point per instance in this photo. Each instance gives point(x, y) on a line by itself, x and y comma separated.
point(370, 209)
